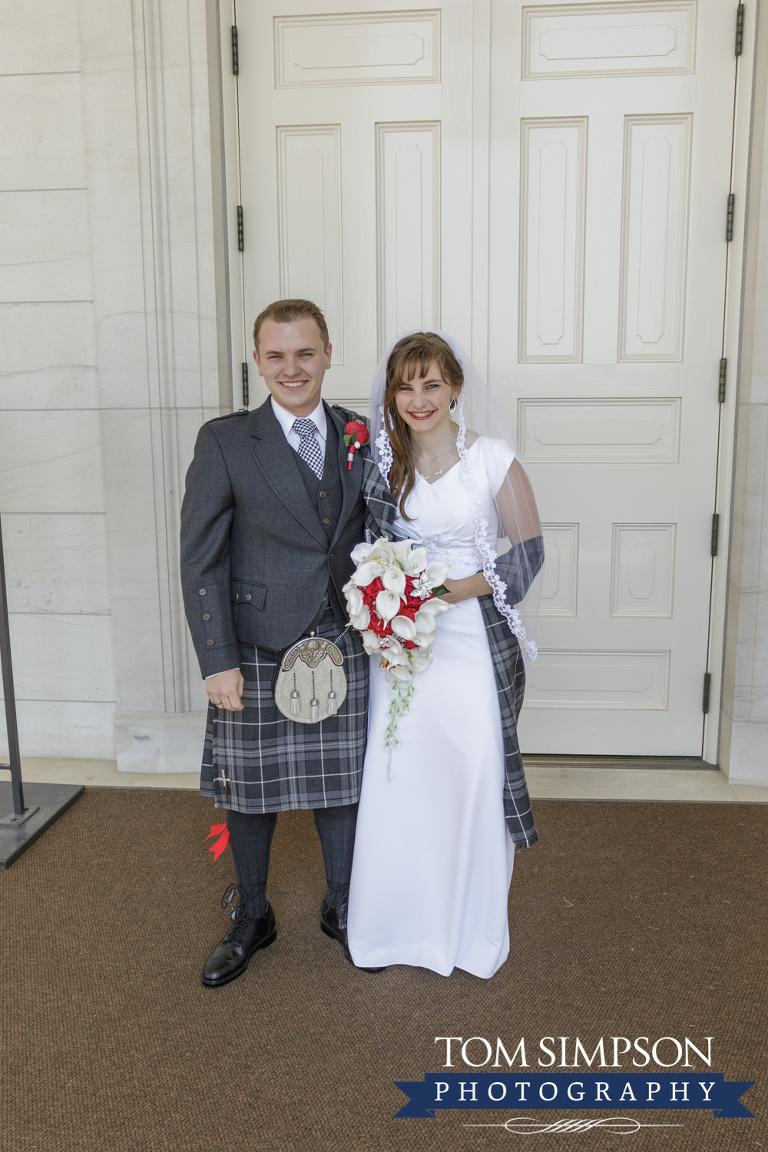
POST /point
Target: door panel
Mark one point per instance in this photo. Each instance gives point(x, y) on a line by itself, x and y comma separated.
point(621, 437)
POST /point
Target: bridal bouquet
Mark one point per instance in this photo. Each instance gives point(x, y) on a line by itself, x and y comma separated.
point(392, 601)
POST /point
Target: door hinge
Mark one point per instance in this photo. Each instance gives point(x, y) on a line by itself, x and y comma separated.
point(705, 697)
point(721, 389)
point(729, 217)
point(245, 385)
point(739, 29)
point(240, 230)
point(235, 52)
point(715, 531)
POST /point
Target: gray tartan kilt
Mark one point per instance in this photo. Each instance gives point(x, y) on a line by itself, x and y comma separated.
point(270, 763)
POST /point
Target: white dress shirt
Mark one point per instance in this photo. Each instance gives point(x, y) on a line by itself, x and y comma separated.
point(285, 419)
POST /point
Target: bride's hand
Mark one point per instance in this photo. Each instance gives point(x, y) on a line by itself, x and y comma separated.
point(466, 589)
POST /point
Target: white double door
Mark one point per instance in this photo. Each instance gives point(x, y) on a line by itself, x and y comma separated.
point(549, 184)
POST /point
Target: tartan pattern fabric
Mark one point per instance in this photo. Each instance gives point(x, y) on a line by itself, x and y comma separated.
point(259, 761)
point(509, 670)
point(380, 508)
point(309, 449)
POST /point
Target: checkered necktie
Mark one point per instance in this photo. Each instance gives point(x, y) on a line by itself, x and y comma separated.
point(309, 449)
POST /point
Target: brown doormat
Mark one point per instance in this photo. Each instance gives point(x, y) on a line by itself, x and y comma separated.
point(632, 920)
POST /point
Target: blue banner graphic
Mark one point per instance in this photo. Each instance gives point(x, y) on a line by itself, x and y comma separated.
point(614, 1090)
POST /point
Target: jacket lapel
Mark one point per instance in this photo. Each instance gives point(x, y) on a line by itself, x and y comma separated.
point(350, 480)
point(277, 463)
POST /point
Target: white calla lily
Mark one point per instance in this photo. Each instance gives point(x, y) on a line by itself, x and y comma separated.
point(425, 639)
point(361, 552)
point(425, 623)
point(387, 604)
point(412, 560)
point(360, 620)
point(400, 672)
point(383, 551)
point(393, 579)
point(366, 572)
point(371, 642)
point(435, 606)
point(417, 562)
point(436, 572)
point(404, 627)
point(401, 551)
point(422, 658)
point(354, 598)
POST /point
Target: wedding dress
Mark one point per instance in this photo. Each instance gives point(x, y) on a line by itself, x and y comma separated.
point(433, 858)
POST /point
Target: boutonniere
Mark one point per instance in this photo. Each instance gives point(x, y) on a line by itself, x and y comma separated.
point(356, 435)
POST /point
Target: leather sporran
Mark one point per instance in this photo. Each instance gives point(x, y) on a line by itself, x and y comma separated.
point(309, 684)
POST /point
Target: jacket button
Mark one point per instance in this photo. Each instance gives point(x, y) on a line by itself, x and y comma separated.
point(235, 596)
point(206, 616)
point(202, 591)
point(247, 596)
point(210, 643)
point(326, 520)
point(323, 494)
point(330, 555)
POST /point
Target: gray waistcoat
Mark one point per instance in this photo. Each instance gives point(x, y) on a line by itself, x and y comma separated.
point(327, 496)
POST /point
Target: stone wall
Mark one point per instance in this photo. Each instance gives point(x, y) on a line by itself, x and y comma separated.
point(51, 468)
point(109, 346)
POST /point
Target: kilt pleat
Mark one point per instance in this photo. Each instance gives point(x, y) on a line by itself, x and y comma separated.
point(259, 761)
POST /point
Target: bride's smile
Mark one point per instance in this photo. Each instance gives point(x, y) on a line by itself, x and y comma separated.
point(423, 401)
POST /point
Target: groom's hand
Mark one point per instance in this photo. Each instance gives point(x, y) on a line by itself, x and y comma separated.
point(226, 689)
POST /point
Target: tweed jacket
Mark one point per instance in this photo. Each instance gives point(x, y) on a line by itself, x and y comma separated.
point(255, 559)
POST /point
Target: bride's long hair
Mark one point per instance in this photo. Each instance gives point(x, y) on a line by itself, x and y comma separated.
point(412, 356)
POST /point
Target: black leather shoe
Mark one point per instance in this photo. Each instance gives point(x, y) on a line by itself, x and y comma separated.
point(230, 957)
point(333, 922)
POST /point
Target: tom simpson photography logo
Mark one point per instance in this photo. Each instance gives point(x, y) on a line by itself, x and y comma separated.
point(691, 1086)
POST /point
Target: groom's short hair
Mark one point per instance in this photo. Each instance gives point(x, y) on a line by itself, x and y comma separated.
point(285, 311)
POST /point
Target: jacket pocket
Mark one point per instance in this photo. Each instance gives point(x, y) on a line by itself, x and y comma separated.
point(247, 593)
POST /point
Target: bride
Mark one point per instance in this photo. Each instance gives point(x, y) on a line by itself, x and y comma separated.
point(438, 824)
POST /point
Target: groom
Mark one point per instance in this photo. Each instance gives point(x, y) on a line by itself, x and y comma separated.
point(270, 516)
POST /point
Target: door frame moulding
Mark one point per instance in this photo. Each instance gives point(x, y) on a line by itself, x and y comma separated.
point(732, 325)
point(238, 349)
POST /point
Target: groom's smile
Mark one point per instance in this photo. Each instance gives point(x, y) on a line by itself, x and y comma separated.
point(292, 360)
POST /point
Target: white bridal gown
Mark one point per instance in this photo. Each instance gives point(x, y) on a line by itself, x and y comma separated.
point(433, 858)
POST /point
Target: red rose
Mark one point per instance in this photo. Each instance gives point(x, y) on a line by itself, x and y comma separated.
point(356, 432)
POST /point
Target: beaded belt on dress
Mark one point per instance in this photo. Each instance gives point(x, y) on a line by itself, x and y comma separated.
point(468, 556)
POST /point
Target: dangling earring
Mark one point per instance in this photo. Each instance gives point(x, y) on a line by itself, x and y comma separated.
point(453, 405)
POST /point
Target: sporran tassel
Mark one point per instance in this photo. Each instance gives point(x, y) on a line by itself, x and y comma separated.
point(295, 699)
point(332, 699)
point(314, 703)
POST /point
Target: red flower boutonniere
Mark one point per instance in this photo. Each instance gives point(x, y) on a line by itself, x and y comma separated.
point(356, 435)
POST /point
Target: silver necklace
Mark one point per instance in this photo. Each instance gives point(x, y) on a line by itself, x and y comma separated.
point(431, 475)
